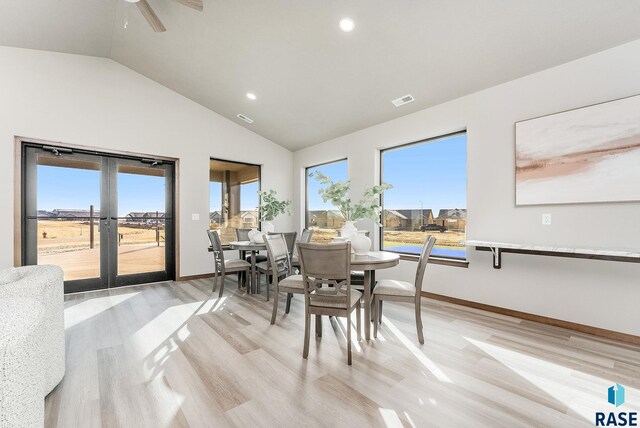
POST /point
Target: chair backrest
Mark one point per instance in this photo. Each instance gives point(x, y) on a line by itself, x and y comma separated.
point(326, 271)
point(218, 254)
point(306, 235)
point(422, 262)
point(278, 253)
point(242, 234)
point(290, 239)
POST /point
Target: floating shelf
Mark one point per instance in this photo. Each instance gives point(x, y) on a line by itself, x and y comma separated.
point(497, 248)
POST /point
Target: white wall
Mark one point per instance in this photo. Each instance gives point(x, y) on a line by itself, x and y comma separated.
point(597, 293)
point(96, 102)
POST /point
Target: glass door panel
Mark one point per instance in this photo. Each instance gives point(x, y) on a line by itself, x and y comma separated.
point(68, 215)
point(141, 212)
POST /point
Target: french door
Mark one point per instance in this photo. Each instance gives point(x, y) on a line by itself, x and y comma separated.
point(107, 220)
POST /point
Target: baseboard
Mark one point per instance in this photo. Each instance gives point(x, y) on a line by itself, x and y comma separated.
point(595, 331)
point(190, 277)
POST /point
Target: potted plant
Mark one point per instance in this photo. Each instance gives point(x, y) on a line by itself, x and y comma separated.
point(368, 207)
point(270, 208)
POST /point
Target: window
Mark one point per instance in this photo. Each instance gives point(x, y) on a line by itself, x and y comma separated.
point(321, 216)
point(233, 197)
point(429, 196)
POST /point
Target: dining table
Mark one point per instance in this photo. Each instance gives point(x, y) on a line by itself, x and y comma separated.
point(253, 248)
point(369, 263)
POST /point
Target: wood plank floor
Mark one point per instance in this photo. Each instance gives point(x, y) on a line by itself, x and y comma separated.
point(173, 354)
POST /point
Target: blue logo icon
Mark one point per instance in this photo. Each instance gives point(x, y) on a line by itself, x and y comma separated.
point(616, 395)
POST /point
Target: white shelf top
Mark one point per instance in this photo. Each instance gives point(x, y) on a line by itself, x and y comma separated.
point(586, 251)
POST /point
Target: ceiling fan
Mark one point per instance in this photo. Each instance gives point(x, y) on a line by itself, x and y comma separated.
point(152, 18)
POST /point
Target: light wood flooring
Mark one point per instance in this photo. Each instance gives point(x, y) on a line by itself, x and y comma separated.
point(173, 354)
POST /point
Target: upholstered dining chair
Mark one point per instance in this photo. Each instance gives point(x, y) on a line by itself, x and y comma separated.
point(305, 237)
point(326, 274)
point(222, 266)
point(264, 266)
point(281, 273)
point(401, 291)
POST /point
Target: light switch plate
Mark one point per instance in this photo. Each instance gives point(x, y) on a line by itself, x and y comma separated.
point(546, 219)
point(195, 216)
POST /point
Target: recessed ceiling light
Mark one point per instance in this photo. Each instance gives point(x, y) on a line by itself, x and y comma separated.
point(251, 96)
point(347, 25)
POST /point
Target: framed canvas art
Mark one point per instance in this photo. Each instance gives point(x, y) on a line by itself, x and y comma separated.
point(591, 154)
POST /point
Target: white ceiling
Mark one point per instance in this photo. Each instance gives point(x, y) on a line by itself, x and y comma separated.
point(313, 81)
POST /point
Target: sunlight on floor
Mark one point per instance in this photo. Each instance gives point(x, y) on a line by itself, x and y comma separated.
point(83, 311)
point(430, 365)
point(559, 382)
point(354, 336)
point(390, 418)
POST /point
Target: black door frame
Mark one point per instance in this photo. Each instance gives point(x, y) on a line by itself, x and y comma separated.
point(108, 220)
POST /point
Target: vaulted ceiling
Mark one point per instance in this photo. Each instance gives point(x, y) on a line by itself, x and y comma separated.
point(314, 82)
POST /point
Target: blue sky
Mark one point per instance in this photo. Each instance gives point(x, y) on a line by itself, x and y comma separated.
point(248, 196)
point(434, 173)
point(73, 188)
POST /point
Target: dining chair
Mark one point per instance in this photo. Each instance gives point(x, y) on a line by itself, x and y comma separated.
point(402, 291)
point(305, 237)
point(326, 270)
point(222, 266)
point(281, 272)
point(242, 234)
point(264, 266)
point(357, 277)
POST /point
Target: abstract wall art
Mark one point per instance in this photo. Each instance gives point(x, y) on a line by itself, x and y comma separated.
point(591, 154)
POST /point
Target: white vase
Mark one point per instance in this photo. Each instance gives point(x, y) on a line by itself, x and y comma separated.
point(348, 230)
point(259, 237)
point(360, 243)
point(252, 233)
point(268, 227)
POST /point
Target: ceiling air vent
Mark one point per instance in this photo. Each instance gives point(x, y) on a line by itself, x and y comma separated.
point(245, 118)
point(403, 100)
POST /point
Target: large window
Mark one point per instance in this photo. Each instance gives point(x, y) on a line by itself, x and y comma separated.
point(429, 196)
point(321, 216)
point(233, 197)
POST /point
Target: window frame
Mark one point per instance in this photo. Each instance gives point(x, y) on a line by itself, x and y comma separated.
point(306, 185)
point(443, 260)
point(259, 166)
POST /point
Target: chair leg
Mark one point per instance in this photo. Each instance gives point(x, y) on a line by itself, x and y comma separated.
point(419, 321)
point(319, 325)
point(358, 321)
point(307, 321)
point(222, 285)
point(380, 312)
point(288, 307)
point(275, 305)
point(348, 336)
point(215, 282)
point(376, 312)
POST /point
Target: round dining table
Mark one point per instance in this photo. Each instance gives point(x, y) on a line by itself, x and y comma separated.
point(253, 248)
point(369, 263)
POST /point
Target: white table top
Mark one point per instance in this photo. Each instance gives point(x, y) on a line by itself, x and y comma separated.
point(375, 260)
point(247, 245)
point(531, 247)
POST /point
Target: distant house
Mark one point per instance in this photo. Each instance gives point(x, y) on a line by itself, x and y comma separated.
point(149, 217)
point(326, 219)
point(215, 217)
point(45, 214)
point(395, 220)
point(73, 214)
point(407, 219)
point(452, 219)
point(249, 218)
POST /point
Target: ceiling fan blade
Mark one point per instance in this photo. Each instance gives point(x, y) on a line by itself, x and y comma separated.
point(193, 4)
point(150, 16)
